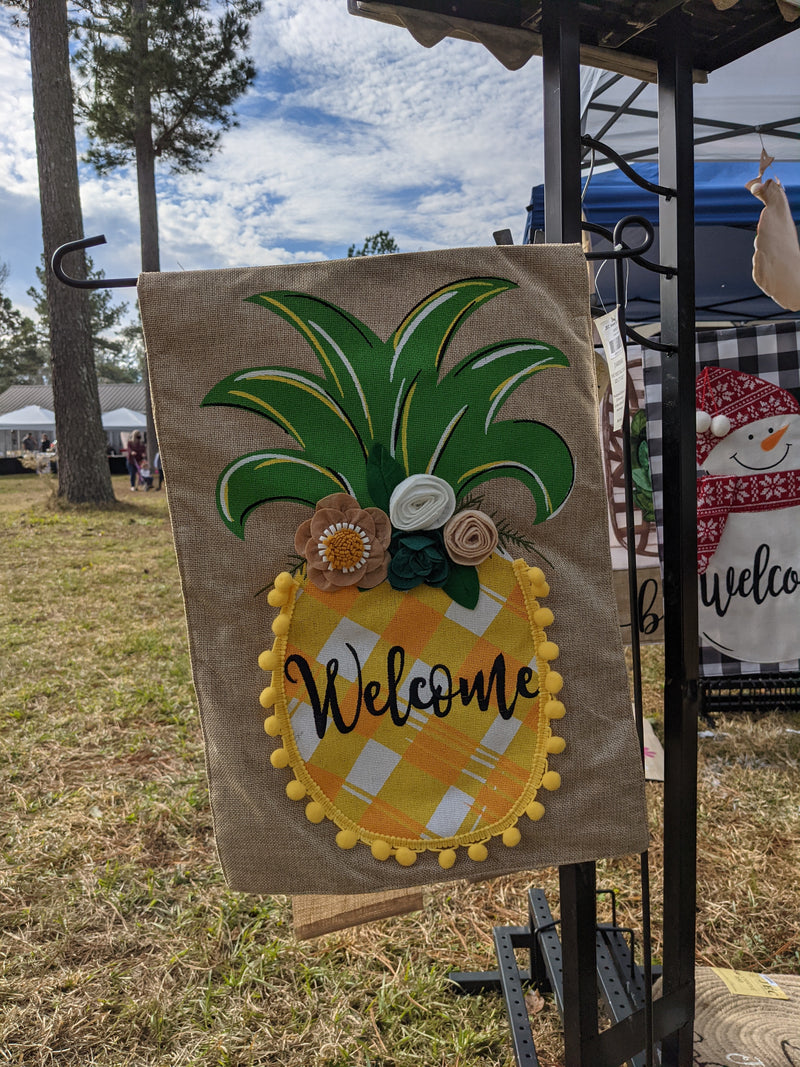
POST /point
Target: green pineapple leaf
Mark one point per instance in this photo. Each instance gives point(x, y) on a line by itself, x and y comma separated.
point(345, 347)
point(299, 404)
point(530, 452)
point(428, 327)
point(471, 394)
point(274, 474)
point(463, 585)
point(384, 474)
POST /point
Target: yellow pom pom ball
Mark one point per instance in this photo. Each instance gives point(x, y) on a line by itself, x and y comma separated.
point(543, 617)
point(276, 598)
point(536, 575)
point(315, 812)
point(284, 582)
point(547, 650)
point(556, 745)
point(269, 660)
point(511, 837)
point(478, 853)
point(279, 758)
point(381, 850)
point(405, 857)
point(554, 682)
point(447, 858)
point(551, 780)
point(268, 696)
point(272, 726)
point(295, 790)
point(541, 590)
point(346, 839)
point(554, 709)
point(535, 810)
point(280, 625)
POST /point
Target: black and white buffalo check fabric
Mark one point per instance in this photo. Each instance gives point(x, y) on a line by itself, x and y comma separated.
point(772, 352)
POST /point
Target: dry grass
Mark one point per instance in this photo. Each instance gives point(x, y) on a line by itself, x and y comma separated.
point(121, 945)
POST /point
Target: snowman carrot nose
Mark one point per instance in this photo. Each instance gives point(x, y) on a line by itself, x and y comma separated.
point(769, 442)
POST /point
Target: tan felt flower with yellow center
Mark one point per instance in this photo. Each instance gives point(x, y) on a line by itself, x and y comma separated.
point(344, 547)
point(345, 544)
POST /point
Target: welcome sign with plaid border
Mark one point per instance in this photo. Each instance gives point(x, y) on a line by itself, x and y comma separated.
point(768, 353)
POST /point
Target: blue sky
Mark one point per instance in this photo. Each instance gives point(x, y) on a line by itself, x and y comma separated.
point(351, 127)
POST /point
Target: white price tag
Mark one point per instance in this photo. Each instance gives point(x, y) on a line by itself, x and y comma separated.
point(608, 328)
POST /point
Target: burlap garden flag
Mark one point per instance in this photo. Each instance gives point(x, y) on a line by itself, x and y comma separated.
point(388, 506)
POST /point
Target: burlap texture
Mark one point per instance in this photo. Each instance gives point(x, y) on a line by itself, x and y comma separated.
point(198, 329)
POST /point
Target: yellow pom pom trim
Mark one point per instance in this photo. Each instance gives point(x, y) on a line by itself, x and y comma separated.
point(554, 709)
point(319, 807)
point(346, 839)
point(554, 682)
point(511, 837)
point(269, 660)
point(551, 780)
point(381, 850)
point(279, 758)
point(268, 697)
point(295, 790)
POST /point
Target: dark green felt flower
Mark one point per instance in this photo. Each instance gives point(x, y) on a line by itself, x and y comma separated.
point(418, 556)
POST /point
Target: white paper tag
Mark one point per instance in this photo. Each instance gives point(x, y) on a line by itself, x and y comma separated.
point(608, 329)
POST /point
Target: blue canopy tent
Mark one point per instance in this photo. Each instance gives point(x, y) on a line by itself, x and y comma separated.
point(726, 215)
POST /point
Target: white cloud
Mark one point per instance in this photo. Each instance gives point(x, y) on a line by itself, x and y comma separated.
point(351, 127)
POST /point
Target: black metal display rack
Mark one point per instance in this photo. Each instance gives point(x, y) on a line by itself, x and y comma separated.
point(577, 958)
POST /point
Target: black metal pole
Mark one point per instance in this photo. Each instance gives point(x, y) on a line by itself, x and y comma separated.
point(676, 226)
point(562, 184)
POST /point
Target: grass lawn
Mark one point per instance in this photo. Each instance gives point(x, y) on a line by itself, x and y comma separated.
point(120, 944)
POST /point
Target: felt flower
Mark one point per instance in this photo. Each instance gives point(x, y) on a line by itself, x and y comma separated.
point(417, 556)
point(421, 502)
point(470, 537)
point(344, 544)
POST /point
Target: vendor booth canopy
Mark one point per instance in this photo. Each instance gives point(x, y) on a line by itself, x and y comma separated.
point(123, 419)
point(750, 104)
point(726, 215)
point(31, 417)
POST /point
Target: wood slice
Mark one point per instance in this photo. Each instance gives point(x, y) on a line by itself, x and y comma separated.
point(749, 1031)
point(317, 915)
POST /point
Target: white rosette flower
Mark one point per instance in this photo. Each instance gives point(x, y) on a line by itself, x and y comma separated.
point(421, 502)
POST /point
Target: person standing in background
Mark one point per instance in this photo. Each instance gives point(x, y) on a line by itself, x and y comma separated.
point(135, 452)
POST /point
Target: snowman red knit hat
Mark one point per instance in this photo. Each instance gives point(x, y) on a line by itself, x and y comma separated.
point(728, 399)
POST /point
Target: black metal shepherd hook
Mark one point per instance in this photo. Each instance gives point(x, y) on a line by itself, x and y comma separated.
point(86, 283)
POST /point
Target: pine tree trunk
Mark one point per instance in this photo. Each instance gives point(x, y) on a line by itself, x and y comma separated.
point(83, 470)
point(145, 180)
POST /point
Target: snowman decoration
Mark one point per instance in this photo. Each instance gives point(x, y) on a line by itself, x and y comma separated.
point(748, 516)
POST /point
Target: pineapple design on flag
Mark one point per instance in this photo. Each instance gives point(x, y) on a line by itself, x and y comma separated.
point(411, 678)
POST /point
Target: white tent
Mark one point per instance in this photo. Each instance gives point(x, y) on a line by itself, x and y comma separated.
point(123, 419)
point(24, 420)
point(31, 417)
point(743, 106)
